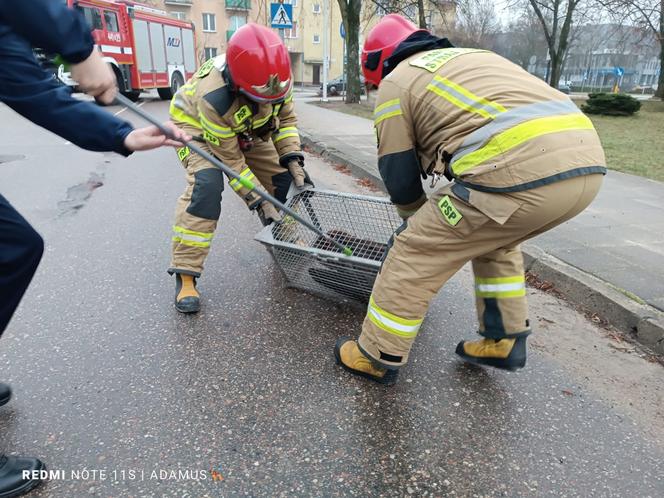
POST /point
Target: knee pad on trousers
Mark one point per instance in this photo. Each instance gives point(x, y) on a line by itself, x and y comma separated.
point(206, 195)
point(282, 183)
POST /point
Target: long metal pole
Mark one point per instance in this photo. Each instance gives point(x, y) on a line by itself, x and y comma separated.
point(248, 184)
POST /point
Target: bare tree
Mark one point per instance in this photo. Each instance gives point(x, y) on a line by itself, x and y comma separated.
point(476, 23)
point(522, 40)
point(648, 14)
point(556, 18)
point(350, 15)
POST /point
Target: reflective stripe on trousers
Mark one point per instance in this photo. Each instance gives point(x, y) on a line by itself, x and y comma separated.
point(191, 237)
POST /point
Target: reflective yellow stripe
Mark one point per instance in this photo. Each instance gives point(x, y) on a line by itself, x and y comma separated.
point(245, 173)
point(204, 235)
point(385, 105)
point(463, 98)
point(191, 237)
point(387, 110)
point(519, 134)
point(500, 287)
point(260, 122)
point(214, 129)
point(190, 88)
point(179, 115)
point(288, 99)
point(393, 324)
point(470, 95)
point(288, 131)
point(192, 243)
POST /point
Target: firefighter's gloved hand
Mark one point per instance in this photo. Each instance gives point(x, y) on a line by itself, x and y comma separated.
point(296, 168)
point(96, 78)
point(267, 213)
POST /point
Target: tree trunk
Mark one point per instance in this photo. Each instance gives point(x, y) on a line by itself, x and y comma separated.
point(554, 75)
point(350, 14)
point(423, 18)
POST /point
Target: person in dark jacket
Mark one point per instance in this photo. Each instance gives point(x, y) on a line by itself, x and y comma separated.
point(36, 95)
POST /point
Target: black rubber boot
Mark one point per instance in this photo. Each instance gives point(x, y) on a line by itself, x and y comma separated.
point(507, 354)
point(5, 393)
point(11, 475)
point(187, 299)
point(351, 359)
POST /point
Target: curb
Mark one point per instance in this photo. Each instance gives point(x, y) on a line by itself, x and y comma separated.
point(641, 321)
point(339, 157)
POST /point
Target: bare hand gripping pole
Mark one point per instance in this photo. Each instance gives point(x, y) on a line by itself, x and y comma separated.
point(248, 184)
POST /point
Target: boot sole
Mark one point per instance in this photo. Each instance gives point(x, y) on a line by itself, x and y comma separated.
point(25, 488)
point(488, 362)
point(388, 380)
point(187, 310)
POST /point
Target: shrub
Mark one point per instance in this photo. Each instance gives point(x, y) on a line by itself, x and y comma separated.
point(611, 104)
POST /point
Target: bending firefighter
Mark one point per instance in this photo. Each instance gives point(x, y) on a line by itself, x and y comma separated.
point(239, 105)
point(521, 159)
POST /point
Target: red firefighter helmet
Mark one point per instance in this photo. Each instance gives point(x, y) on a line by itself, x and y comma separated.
point(381, 42)
point(259, 63)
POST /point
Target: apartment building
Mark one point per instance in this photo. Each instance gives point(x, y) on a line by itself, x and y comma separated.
point(215, 20)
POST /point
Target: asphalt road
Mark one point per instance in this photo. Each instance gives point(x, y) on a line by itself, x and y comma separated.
point(111, 380)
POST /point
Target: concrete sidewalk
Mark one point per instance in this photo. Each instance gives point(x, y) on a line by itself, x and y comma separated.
point(610, 258)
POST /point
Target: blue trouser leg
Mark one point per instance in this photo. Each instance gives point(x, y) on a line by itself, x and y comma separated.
point(21, 249)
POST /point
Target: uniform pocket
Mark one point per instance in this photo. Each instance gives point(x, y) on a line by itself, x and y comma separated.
point(463, 211)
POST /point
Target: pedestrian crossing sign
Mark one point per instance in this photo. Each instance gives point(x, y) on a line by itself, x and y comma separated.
point(282, 15)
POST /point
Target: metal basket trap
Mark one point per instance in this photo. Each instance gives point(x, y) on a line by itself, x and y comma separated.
point(312, 263)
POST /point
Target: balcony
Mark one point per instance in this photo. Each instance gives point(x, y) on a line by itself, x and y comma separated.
point(238, 4)
point(183, 3)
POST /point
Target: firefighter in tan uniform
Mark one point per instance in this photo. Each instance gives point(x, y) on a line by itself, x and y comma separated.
point(239, 105)
point(521, 159)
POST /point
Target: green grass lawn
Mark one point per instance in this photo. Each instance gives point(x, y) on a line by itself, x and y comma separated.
point(632, 144)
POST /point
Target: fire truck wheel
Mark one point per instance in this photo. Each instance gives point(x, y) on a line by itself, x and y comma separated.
point(176, 82)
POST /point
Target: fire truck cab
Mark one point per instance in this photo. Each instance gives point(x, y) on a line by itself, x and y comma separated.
point(145, 47)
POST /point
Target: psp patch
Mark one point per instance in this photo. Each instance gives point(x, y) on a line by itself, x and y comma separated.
point(183, 153)
point(243, 113)
point(449, 212)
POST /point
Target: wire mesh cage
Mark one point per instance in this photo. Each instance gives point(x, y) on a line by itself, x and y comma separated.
point(312, 263)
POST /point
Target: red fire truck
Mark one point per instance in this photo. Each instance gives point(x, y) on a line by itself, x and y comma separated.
point(145, 47)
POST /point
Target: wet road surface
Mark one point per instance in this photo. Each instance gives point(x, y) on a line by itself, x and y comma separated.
point(109, 378)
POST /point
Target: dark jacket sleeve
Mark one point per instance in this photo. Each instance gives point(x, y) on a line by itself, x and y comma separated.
point(50, 25)
point(36, 95)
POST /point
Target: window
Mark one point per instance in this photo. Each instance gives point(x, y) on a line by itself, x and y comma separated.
point(291, 2)
point(182, 16)
point(210, 52)
point(292, 32)
point(209, 23)
point(316, 8)
point(234, 22)
point(316, 38)
point(111, 19)
point(93, 16)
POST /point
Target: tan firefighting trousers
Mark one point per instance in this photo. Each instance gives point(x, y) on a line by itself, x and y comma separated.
point(199, 207)
point(455, 226)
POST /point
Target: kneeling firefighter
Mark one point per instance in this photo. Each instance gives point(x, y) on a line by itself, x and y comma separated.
point(239, 105)
point(521, 159)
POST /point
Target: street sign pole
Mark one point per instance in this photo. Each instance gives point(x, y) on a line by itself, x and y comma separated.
point(326, 43)
point(342, 32)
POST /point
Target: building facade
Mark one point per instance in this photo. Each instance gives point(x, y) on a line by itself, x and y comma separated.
point(217, 20)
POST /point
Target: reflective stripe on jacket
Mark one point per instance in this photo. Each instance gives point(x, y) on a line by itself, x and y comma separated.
point(482, 120)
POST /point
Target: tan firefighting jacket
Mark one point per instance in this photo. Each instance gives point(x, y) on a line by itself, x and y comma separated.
point(480, 120)
point(221, 116)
